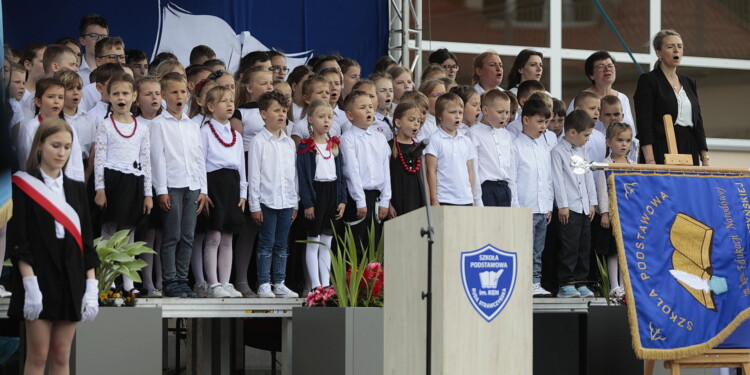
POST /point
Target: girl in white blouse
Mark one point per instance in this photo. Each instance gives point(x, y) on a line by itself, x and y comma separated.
point(122, 167)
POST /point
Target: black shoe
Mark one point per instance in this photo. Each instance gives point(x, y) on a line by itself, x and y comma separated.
point(189, 293)
point(174, 290)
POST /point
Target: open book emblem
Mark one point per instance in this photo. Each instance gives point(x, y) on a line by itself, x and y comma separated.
point(489, 278)
point(691, 260)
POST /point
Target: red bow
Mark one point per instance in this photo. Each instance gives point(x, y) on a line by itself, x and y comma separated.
point(310, 146)
point(331, 141)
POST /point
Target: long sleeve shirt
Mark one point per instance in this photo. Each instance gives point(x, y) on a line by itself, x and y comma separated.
point(271, 169)
point(366, 164)
point(573, 191)
point(177, 159)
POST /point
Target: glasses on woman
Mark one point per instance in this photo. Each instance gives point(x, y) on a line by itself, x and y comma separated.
point(276, 68)
point(603, 67)
point(451, 67)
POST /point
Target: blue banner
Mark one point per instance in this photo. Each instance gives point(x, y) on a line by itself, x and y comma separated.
point(683, 243)
point(299, 28)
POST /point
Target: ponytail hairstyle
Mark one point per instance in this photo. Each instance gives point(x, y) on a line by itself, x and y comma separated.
point(659, 40)
point(48, 127)
point(248, 75)
point(514, 78)
point(314, 106)
point(401, 110)
point(307, 90)
point(201, 88)
point(43, 85)
point(119, 78)
point(214, 95)
point(140, 82)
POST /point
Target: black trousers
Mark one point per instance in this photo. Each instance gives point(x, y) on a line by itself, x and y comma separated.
point(496, 194)
point(575, 249)
point(362, 228)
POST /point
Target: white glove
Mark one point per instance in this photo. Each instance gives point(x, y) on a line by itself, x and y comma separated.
point(90, 305)
point(32, 305)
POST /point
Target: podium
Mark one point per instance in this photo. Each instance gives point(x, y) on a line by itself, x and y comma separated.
point(466, 337)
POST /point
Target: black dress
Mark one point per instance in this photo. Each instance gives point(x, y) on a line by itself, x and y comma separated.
point(407, 188)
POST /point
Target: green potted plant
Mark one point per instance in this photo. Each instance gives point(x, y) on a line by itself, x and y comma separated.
point(117, 257)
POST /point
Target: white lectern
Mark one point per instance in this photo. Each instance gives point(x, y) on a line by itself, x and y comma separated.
point(481, 295)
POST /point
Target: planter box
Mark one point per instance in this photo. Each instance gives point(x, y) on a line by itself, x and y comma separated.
point(337, 341)
point(121, 340)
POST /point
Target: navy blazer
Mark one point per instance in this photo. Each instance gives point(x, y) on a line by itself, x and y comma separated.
point(31, 238)
point(654, 97)
point(306, 177)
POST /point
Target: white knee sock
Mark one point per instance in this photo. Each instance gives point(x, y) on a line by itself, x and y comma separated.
point(614, 269)
point(311, 262)
point(324, 260)
point(225, 258)
point(196, 261)
point(210, 252)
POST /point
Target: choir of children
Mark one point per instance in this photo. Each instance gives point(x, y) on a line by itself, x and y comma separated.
point(342, 150)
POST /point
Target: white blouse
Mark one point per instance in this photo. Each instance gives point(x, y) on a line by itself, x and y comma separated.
point(126, 155)
point(325, 167)
point(218, 156)
point(684, 109)
point(56, 185)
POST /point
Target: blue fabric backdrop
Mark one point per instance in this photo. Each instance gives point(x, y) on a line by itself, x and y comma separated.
point(352, 28)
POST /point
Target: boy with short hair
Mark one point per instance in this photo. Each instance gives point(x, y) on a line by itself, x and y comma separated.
point(525, 90)
point(108, 51)
point(98, 109)
point(494, 147)
point(92, 29)
point(273, 196)
point(366, 167)
point(575, 195)
point(596, 148)
point(179, 178)
point(612, 112)
point(531, 169)
point(58, 57)
point(137, 61)
point(200, 54)
point(384, 90)
point(71, 43)
point(16, 91)
point(557, 123)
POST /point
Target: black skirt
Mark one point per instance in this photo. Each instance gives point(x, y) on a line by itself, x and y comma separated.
point(407, 188)
point(602, 240)
point(687, 143)
point(325, 209)
point(124, 198)
point(224, 191)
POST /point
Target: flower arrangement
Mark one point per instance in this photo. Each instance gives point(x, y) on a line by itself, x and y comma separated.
point(355, 282)
point(116, 257)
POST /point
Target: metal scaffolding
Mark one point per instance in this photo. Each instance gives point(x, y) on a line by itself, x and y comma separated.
point(405, 34)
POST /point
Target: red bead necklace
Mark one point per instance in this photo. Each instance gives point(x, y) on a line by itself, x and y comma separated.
point(320, 152)
point(118, 130)
point(417, 164)
point(218, 137)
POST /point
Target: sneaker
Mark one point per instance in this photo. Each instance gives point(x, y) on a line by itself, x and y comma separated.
point(585, 292)
point(202, 289)
point(617, 292)
point(233, 293)
point(538, 291)
point(4, 293)
point(218, 291)
point(264, 291)
point(568, 291)
point(189, 293)
point(174, 290)
point(154, 294)
point(282, 291)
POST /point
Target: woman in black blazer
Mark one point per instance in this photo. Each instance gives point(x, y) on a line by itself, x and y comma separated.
point(662, 91)
point(53, 267)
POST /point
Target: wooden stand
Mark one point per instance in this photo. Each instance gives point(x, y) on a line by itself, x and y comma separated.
point(463, 342)
point(672, 157)
point(710, 359)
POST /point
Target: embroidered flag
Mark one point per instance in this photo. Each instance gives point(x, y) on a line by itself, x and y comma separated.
point(682, 239)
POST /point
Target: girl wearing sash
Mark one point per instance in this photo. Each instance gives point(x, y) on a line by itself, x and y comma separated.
point(49, 238)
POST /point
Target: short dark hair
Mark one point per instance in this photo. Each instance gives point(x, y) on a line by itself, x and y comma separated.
point(322, 59)
point(30, 52)
point(578, 120)
point(110, 42)
point(103, 73)
point(272, 96)
point(91, 19)
point(536, 107)
point(588, 66)
point(464, 92)
point(439, 56)
point(195, 69)
point(133, 55)
point(201, 51)
point(275, 53)
point(251, 59)
point(66, 39)
point(213, 62)
point(558, 107)
point(383, 62)
point(525, 88)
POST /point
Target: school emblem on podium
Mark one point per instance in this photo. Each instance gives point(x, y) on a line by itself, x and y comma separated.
point(489, 277)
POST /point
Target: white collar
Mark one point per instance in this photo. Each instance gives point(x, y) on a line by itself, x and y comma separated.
point(52, 182)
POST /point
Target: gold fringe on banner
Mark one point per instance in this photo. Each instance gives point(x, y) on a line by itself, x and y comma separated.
point(6, 211)
point(640, 351)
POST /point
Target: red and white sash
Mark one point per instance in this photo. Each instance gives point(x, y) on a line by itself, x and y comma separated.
point(60, 210)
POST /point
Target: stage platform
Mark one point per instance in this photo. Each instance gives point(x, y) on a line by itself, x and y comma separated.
point(203, 335)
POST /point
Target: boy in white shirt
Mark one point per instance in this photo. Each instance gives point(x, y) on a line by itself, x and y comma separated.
point(366, 158)
point(531, 170)
point(494, 150)
point(178, 172)
point(596, 147)
point(611, 112)
point(575, 195)
point(273, 196)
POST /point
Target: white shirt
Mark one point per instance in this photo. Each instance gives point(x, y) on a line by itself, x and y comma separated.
point(272, 172)
point(85, 127)
point(596, 147)
point(84, 71)
point(219, 156)
point(627, 114)
point(18, 113)
point(27, 105)
point(684, 109)
point(325, 167)
point(452, 154)
point(515, 127)
point(481, 91)
point(366, 164)
point(26, 134)
point(252, 122)
point(177, 159)
point(532, 172)
point(301, 128)
point(339, 119)
point(56, 185)
point(296, 112)
point(99, 113)
point(199, 119)
point(428, 128)
point(126, 155)
point(89, 97)
point(495, 158)
point(382, 126)
point(602, 193)
point(574, 191)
